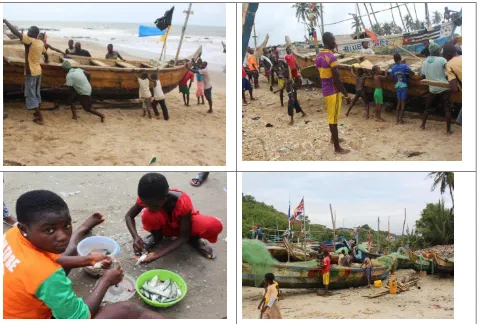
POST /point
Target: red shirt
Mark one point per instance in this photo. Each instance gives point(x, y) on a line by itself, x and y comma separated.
point(244, 74)
point(290, 61)
point(188, 76)
point(326, 264)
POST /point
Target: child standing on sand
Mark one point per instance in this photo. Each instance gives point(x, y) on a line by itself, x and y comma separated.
point(169, 212)
point(378, 94)
point(399, 74)
point(360, 91)
point(283, 73)
point(144, 92)
point(158, 97)
point(270, 309)
point(200, 87)
point(289, 85)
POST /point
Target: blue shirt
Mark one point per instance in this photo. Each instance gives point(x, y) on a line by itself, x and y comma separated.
point(399, 74)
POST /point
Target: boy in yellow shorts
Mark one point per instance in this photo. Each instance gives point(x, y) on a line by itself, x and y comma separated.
point(332, 88)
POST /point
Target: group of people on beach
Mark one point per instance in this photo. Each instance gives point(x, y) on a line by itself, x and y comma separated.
point(78, 80)
point(41, 249)
point(442, 65)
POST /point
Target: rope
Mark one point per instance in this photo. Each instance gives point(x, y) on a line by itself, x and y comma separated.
point(364, 15)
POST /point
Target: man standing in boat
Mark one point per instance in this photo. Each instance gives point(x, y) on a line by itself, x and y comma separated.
point(34, 49)
point(81, 90)
point(332, 87)
point(81, 52)
point(365, 50)
point(111, 54)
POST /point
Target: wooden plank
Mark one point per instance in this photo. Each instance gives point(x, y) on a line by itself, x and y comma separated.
point(125, 65)
point(148, 66)
point(435, 83)
point(72, 61)
point(98, 63)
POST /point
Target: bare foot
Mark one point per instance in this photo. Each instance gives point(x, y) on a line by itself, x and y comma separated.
point(449, 132)
point(401, 122)
point(210, 111)
point(379, 120)
point(303, 114)
point(253, 99)
point(422, 127)
point(102, 119)
point(74, 118)
point(290, 123)
point(92, 221)
point(341, 151)
point(38, 121)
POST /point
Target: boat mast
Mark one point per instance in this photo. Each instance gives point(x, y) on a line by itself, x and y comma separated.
point(408, 10)
point(401, 19)
point(321, 18)
point(360, 16)
point(368, 15)
point(427, 16)
point(255, 41)
point(373, 13)
point(188, 12)
point(415, 9)
point(393, 17)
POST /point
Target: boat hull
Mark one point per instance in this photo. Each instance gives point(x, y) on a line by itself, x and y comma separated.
point(298, 276)
point(443, 265)
point(108, 82)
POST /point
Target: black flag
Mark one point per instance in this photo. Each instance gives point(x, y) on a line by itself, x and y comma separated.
point(164, 22)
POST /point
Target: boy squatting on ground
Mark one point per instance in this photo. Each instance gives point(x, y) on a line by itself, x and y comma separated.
point(38, 254)
point(169, 213)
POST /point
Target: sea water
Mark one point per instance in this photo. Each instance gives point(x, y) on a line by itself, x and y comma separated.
point(124, 37)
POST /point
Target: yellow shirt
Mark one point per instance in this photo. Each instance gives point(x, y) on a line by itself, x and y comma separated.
point(272, 291)
point(34, 48)
point(454, 67)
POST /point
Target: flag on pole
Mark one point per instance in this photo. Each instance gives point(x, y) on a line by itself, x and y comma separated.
point(290, 217)
point(372, 35)
point(298, 210)
point(166, 21)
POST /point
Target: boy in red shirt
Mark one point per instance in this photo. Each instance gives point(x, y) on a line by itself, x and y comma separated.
point(325, 271)
point(184, 88)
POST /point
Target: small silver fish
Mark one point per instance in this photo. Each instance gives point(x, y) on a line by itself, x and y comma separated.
point(153, 282)
point(141, 259)
point(98, 265)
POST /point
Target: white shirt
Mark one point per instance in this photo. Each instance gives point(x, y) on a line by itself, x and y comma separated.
point(367, 51)
point(206, 78)
point(158, 91)
point(144, 88)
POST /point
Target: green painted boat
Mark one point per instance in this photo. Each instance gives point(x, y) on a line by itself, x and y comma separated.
point(309, 275)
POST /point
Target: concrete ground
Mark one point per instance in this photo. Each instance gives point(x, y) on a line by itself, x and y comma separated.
point(112, 194)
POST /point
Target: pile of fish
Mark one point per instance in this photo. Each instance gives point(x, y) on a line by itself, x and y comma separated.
point(161, 291)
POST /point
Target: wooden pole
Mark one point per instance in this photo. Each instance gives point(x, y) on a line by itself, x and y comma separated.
point(373, 13)
point(401, 18)
point(164, 48)
point(360, 15)
point(408, 10)
point(368, 15)
point(393, 17)
point(378, 232)
point(183, 31)
point(415, 9)
point(321, 19)
point(427, 16)
point(333, 221)
point(255, 41)
point(404, 220)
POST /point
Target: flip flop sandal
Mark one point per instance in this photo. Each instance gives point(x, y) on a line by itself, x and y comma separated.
point(203, 248)
point(198, 180)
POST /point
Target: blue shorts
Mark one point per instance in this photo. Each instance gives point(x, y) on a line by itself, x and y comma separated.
point(246, 85)
point(208, 93)
point(402, 93)
point(368, 272)
point(33, 98)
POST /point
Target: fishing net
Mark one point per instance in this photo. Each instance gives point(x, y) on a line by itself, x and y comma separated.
point(344, 249)
point(257, 256)
point(388, 261)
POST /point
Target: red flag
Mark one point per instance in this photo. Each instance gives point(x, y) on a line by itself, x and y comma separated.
point(313, 5)
point(372, 35)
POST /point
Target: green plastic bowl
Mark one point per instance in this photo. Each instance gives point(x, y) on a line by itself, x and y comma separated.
point(162, 275)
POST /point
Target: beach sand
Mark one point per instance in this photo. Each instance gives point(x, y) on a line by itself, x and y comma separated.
point(367, 140)
point(434, 300)
point(112, 194)
point(190, 137)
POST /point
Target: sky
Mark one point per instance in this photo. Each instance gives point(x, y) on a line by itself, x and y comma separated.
point(204, 14)
point(278, 19)
point(358, 198)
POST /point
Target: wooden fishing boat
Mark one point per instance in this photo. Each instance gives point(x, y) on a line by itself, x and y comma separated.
point(416, 87)
point(309, 275)
point(259, 49)
point(110, 79)
point(444, 265)
point(402, 258)
point(421, 263)
point(412, 41)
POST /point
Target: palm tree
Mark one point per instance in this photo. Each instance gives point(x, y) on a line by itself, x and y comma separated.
point(377, 29)
point(387, 28)
point(437, 17)
point(409, 23)
point(396, 29)
point(301, 12)
point(444, 179)
point(436, 224)
point(356, 24)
